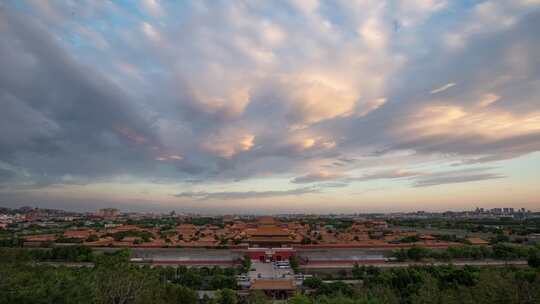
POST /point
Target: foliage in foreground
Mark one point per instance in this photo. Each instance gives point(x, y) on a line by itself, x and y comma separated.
point(501, 251)
point(114, 280)
point(429, 284)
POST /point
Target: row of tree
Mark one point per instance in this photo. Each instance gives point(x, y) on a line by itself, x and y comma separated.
point(114, 280)
point(63, 254)
point(441, 284)
point(501, 251)
point(517, 226)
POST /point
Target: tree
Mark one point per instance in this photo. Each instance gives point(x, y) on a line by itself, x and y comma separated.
point(246, 263)
point(496, 287)
point(219, 281)
point(299, 299)
point(177, 294)
point(335, 288)
point(499, 238)
point(92, 238)
point(339, 299)
point(306, 240)
point(293, 261)
point(124, 283)
point(358, 272)
point(27, 283)
point(410, 239)
point(190, 279)
point(225, 296)
point(417, 253)
point(71, 254)
point(428, 293)
point(115, 280)
point(400, 255)
point(257, 297)
point(313, 282)
point(534, 258)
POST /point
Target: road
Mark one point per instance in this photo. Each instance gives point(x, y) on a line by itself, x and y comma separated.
point(268, 271)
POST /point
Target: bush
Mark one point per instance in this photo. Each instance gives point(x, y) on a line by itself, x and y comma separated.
point(313, 282)
point(293, 260)
point(225, 296)
point(410, 239)
point(334, 288)
point(499, 238)
point(144, 235)
point(299, 299)
point(246, 264)
point(499, 251)
point(179, 294)
point(92, 238)
point(534, 258)
point(417, 253)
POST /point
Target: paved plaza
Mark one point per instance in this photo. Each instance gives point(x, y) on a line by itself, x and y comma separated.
point(261, 270)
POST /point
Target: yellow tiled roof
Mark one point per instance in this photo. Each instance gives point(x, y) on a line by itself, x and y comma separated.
point(273, 285)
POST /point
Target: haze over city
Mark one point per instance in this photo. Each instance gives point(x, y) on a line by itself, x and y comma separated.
point(270, 106)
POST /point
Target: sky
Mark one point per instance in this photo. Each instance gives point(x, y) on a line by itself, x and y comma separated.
point(301, 106)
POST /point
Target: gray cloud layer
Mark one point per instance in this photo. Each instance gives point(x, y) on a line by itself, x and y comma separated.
point(230, 195)
point(455, 179)
point(232, 91)
point(456, 176)
point(60, 117)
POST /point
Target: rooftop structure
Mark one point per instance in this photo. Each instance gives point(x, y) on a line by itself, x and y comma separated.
point(273, 285)
point(266, 220)
point(270, 236)
point(477, 241)
point(269, 231)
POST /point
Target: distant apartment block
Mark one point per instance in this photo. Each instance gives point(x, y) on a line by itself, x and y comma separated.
point(108, 213)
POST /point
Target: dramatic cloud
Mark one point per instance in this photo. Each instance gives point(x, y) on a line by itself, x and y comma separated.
point(337, 95)
point(61, 117)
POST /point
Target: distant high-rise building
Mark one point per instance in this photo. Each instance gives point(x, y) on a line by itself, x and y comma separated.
point(108, 212)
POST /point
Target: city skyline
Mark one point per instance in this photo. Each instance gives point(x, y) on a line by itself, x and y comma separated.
point(478, 212)
point(270, 107)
